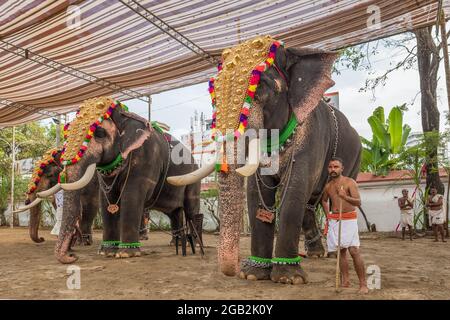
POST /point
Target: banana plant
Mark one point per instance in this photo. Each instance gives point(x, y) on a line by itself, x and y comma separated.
point(389, 137)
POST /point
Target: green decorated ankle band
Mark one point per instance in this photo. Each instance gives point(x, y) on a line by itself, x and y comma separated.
point(129, 245)
point(257, 262)
point(258, 259)
point(110, 244)
point(286, 260)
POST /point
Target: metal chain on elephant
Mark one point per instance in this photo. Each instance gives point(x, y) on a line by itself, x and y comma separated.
point(335, 145)
point(336, 130)
point(287, 177)
point(113, 208)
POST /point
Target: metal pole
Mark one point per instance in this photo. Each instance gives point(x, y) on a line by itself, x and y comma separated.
point(58, 131)
point(12, 174)
point(447, 83)
point(446, 59)
point(149, 108)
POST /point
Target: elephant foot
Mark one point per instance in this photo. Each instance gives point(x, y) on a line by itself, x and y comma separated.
point(315, 248)
point(288, 274)
point(317, 251)
point(108, 251)
point(86, 239)
point(123, 253)
point(143, 237)
point(254, 273)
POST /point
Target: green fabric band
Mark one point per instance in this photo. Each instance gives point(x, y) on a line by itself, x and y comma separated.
point(130, 245)
point(111, 166)
point(110, 244)
point(157, 127)
point(286, 260)
point(258, 259)
point(285, 134)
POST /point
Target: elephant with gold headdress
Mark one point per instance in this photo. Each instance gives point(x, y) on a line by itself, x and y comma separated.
point(42, 185)
point(262, 85)
point(131, 160)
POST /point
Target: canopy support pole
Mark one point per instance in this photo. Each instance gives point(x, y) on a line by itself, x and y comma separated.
point(13, 149)
point(149, 98)
point(447, 84)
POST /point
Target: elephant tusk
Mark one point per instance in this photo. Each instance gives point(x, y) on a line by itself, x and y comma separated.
point(29, 206)
point(253, 159)
point(197, 175)
point(49, 192)
point(192, 177)
point(84, 181)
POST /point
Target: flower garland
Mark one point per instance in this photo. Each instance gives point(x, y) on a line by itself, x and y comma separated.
point(248, 100)
point(89, 134)
point(39, 171)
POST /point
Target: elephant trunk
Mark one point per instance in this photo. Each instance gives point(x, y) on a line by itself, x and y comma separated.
point(35, 218)
point(231, 208)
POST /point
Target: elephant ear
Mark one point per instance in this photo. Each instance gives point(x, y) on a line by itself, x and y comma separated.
point(310, 76)
point(134, 130)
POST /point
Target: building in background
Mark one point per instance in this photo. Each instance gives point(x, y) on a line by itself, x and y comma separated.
point(199, 141)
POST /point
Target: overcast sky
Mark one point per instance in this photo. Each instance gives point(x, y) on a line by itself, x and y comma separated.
point(175, 107)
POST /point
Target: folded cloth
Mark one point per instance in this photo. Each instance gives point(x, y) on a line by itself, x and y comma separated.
point(349, 230)
point(437, 216)
point(406, 218)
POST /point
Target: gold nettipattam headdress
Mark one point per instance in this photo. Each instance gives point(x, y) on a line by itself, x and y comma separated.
point(80, 131)
point(233, 90)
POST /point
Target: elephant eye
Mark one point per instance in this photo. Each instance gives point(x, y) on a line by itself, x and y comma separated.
point(100, 133)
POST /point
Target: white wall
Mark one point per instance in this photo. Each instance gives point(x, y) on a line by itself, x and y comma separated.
point(380, 206)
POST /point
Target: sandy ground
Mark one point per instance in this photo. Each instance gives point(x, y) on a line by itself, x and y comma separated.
point(417, 270)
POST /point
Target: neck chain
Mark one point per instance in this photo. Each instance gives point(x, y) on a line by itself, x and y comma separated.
point(113, 207)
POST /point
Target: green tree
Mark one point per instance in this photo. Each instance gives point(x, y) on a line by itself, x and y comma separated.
point(389, 137)
point(32, 140)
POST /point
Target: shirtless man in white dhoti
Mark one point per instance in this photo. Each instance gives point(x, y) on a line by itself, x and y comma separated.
point(436, 213)
point(406, 213)
point(344, 189)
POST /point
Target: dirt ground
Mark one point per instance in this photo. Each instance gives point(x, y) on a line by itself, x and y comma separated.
point(417, 270)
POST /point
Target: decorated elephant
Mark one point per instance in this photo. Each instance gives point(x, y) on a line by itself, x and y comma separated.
point(132, 160)
point(42, 185)
point(262, 85)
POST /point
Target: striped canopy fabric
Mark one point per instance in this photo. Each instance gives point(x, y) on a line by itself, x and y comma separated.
point(56, 53)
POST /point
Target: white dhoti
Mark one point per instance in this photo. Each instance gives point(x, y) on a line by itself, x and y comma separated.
point(349, 234)
point(406, 218)
point(59, 199)
point(436, 216)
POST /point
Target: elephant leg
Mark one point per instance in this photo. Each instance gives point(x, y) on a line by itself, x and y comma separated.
point(175, 225)
point(193, 218)
point(262, 232)
point(178, 232)
point(313, 238)
point(131, 212)
point(286, 266)
point(90, 209)
point(111, 231)
point(143, 231)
